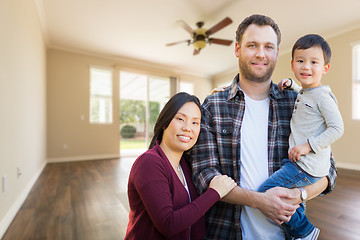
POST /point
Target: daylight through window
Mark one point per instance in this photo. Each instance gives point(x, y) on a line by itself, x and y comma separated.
point(101, 95)
point(356, 83)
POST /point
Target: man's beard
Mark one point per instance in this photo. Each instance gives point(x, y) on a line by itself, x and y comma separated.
point(248, 74)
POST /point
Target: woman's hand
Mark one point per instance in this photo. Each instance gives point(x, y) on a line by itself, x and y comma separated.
point(222, 184)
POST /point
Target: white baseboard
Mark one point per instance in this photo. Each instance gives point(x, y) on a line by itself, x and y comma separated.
point(15, 207)
point(350, 166)
point(83, 158)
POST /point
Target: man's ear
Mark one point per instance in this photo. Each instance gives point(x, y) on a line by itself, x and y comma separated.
point(237, 48)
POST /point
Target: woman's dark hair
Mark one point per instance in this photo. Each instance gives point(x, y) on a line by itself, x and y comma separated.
point(313, 40)
point(168, 113)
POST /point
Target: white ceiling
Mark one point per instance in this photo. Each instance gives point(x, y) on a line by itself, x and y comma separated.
point(139, 29)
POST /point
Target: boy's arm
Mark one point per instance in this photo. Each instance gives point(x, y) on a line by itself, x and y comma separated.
point(334, 124)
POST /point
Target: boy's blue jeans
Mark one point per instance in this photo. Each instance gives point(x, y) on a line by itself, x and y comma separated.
point(291, 176)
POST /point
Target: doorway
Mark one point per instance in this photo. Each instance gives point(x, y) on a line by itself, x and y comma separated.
point(142, 97)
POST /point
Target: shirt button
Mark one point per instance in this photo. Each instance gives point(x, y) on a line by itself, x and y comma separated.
point(295, 107)
point(298, 100)
point(224, 130)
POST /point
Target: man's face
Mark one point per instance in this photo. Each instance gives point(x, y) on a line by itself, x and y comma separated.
point(257, 53)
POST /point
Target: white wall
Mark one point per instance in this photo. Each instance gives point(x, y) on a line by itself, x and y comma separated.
point(22, 103)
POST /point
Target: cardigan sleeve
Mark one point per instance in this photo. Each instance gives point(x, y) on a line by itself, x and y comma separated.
point(151, 179)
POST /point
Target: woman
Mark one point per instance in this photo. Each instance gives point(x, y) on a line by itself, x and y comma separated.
point(163, 201)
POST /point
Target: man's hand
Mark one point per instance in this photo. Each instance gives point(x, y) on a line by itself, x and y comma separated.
point(279, 204)
point(297, 151)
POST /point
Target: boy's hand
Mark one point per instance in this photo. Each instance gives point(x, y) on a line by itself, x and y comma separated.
point(299, 150)
point(284, 83)
point(219, 89)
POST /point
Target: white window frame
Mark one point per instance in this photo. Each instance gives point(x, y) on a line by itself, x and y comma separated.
point(188, 87)
point(356, 81)
point(105, 100)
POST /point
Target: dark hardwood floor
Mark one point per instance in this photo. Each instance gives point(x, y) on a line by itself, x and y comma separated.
point(87, 200)
point(337, 214)
point(79, 200)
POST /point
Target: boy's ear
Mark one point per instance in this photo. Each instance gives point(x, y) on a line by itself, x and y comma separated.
point(326, 69)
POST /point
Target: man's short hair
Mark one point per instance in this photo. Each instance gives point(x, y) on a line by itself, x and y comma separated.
point(313, 40)
point(259, 20)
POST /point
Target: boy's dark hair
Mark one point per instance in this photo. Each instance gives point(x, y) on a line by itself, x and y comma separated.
point(259, 20)
point(313, 40)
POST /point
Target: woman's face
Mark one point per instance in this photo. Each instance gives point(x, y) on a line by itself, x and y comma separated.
point(184, 128)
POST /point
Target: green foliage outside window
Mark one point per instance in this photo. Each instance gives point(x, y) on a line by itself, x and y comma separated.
point(134, 111)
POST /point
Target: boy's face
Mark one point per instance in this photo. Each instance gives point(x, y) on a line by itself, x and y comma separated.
point(309, 66)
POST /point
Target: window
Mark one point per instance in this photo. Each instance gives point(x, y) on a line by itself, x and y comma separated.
point(187, 87)
point(101, 95)
point(356, 83)
point(142, 97)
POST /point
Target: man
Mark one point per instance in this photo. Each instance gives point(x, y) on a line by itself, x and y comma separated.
point(244, 134)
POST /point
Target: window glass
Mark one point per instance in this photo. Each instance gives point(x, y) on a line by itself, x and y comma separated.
point(187, 87)
point(141, 99)
point(101, 95)
point(356, 83)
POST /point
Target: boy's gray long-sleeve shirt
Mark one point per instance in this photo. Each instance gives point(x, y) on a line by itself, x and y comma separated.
point(317, 120)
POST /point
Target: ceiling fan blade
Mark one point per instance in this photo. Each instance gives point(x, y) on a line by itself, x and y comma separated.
point(220, 41)
point(174, 43)
point(220, 25)
point(185, 26)
point(196, 52)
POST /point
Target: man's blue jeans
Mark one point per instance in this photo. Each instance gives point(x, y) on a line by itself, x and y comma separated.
point(291, 176)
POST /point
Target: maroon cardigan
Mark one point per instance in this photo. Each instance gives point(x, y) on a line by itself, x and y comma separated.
point(159, 203)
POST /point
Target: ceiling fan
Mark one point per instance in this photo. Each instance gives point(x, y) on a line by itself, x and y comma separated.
point(200, 36)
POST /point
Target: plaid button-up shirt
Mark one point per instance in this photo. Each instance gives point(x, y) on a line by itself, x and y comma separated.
point(218, 149)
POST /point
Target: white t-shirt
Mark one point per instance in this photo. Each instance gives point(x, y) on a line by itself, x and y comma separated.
point(254, 169)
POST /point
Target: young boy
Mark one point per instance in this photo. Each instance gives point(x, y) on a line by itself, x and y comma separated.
point(315, 124)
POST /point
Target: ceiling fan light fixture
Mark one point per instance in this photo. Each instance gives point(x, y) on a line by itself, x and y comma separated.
point(199, 44)
point(200, 36)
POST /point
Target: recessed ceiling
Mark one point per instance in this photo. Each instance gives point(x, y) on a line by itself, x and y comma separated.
point(139, 29)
